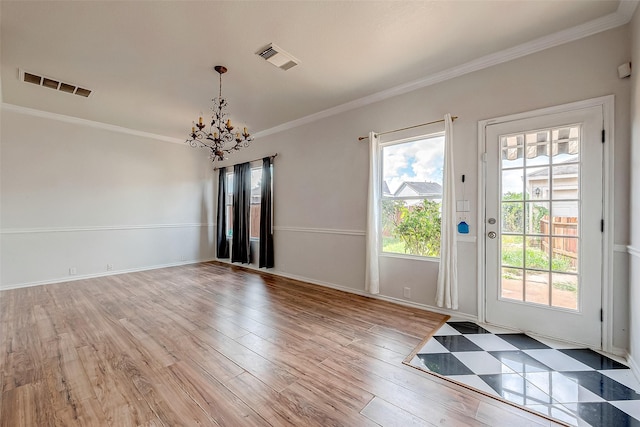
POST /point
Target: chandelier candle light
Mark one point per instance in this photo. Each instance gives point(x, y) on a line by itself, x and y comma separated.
point(220, 138)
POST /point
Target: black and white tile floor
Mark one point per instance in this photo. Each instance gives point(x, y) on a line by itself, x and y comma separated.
point(578, 386)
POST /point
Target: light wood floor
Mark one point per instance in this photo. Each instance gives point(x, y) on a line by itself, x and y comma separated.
point(209, 344)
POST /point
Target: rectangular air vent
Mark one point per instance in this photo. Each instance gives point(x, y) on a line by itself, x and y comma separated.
point(268, 53)
point(278, 57)
point(51, 83)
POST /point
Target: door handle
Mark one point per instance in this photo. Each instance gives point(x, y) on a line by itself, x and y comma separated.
point(492, 234)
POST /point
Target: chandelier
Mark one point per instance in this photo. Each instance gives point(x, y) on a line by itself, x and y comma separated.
point(219, 137)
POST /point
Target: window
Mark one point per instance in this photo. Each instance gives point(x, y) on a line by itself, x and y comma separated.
point(411, 195)
point(254, 225)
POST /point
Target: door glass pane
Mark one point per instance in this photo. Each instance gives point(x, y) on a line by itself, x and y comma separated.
point(537, 253)
point(537, 183)
point(537, 148)
point(537, 287)
point(565, 254)
point(512, 217)
point(564, 290)
point(512, 251)
point(565, 218)
point(540, 216)
point(512, 284)
point(512, 185)
point(537, 218)
point(512, 151)
point(565, 182)
point(565, 144)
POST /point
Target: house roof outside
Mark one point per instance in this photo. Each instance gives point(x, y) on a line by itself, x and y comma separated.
point(385, 189)
point(421, 188)
point(558, 169)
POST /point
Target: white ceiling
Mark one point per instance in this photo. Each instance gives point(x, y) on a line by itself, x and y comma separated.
point(150, 63)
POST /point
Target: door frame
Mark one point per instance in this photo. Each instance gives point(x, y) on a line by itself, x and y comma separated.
point(607, 105)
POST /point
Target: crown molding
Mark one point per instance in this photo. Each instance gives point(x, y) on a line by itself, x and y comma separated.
point(89, 123)
point(620, 17)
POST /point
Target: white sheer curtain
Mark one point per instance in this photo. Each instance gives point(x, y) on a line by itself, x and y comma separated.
point(447, 290)
point(372, 276)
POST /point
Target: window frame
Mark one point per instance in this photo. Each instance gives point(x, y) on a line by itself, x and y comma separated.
point(381, 147)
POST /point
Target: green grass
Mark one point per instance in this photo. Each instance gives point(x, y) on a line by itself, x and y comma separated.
point(390, 244)
point(512, 256)
point(535, 258)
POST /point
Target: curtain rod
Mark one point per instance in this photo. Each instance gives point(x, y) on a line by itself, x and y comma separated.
point(250, 161)
point(410, 127)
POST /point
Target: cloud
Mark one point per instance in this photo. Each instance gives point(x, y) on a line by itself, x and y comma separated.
point(420, 160)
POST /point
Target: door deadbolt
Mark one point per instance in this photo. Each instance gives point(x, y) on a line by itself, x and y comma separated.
point(491, 221)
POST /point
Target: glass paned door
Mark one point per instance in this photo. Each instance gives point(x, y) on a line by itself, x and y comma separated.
point(539, 211)
point(543, 243)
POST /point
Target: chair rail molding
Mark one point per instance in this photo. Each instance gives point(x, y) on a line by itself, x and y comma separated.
point(100, 228)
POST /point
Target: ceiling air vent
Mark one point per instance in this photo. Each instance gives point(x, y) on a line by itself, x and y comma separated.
point(51, 83)
point(278, 57)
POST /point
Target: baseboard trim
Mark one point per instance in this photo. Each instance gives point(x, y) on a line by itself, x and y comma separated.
point(634, 368)
point(361, 292)
point(426, 307)
point(96, 275)
point(620, 352)
point(454, 314)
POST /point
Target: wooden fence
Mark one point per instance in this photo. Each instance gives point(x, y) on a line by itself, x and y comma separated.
point(560, 245)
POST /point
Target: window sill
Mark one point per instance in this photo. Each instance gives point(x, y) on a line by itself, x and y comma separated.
point(411, 257)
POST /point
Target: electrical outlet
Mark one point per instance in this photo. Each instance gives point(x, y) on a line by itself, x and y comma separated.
point(109, 267)
point(72, 271)
point(406, 292)
point(183, 258)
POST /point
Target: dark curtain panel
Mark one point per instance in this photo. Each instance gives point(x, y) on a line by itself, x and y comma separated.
point(222, 244)
point(266, 220)
point(240, 249)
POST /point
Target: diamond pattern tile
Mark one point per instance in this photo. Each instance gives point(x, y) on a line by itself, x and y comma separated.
point(580, 387)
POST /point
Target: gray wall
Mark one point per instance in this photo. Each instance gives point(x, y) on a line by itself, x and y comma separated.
point(77, 196)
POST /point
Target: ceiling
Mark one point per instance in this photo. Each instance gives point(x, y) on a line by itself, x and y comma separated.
point(150, 63)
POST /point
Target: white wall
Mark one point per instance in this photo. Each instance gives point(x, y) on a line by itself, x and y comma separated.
point(77, 196)
point(634, 243)
point(320, 174)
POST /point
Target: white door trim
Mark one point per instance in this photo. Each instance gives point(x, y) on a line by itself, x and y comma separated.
point(607, 104)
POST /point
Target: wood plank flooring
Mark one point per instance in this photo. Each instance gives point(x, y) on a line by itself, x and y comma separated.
point(214, 345)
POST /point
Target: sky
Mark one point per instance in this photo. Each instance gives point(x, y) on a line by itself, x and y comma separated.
point(420, 160)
